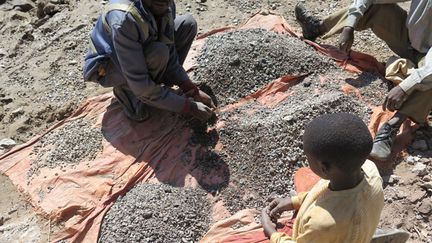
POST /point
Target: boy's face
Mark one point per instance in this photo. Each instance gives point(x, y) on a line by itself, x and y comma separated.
point(317, 167)
point(157, 7)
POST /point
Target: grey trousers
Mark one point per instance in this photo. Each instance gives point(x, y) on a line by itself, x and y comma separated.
point(157, 57)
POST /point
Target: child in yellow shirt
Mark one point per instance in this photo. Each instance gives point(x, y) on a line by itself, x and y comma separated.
point(345, 205)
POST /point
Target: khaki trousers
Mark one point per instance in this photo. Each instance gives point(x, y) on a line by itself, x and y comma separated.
point(388, 22)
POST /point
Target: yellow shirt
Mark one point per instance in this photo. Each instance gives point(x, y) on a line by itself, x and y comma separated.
point(338, 216)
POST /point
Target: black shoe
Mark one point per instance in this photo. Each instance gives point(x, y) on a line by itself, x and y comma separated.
point(390, 236)
point(309, 23)
point(383, 142)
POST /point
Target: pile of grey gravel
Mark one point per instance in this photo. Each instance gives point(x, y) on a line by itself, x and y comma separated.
point(157, 213)
point(238, 63)
point(67, 146)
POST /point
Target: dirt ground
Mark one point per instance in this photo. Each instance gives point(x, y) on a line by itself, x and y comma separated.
point(18, 221)
point(41, 54)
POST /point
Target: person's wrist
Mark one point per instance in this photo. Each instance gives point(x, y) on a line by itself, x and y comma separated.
point(269, 229)
point(189, 87)
point(187, 106)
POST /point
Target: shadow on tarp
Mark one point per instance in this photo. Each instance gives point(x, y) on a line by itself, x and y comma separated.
point(164, 143)
point(364, 80)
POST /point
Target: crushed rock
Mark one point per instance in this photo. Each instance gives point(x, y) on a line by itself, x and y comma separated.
point(157, 213)
point(254, 5)
point(66, 146)
point(238, 63)
point(372, 87)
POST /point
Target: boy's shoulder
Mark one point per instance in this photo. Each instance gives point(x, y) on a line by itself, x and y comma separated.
point(372, 175)
point(369, 168)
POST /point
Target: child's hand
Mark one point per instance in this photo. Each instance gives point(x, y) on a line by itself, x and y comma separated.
point(280, 205)
point(268, 225)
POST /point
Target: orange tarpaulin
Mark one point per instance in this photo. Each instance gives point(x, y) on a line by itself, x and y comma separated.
point(156, 150)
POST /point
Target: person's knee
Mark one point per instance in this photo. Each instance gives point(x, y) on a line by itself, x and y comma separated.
point(191, 25)
point(389, 9)
point(157, 56)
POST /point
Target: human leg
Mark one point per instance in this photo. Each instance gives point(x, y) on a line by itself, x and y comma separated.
point(387, 21)
point(157, 55)
point(185, 32)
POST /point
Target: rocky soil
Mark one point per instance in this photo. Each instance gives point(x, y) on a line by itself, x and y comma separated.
point(41, 51)
point(408, 191)
point(18, 221)
point(157, 213)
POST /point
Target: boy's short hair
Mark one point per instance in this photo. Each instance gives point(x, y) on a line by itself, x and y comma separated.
point(341, 139)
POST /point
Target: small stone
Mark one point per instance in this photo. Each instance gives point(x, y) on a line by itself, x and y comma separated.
point(307, 84)
point(412, 160)
point(425, 160)
point(3, 52)
point(265, 12)
point(416, 196)
point(7, 143)
point(420, 169)
point(235, 61)
point(427, 178)
point(51, 9)
point(400, 195)
point(391, 179)
point(19, 16)
point(24, 7)
point(272, 171)
point(288, 118)
point(17, 112)
point(427, 185)
point(28, 36)
point(425, 208)
point(248, 197)
point(73, 62)
point(59, 1)
point(147, 215)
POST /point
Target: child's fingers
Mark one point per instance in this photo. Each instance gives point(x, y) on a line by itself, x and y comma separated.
point(384, 105)
point(275, 211)
point(274, 203)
